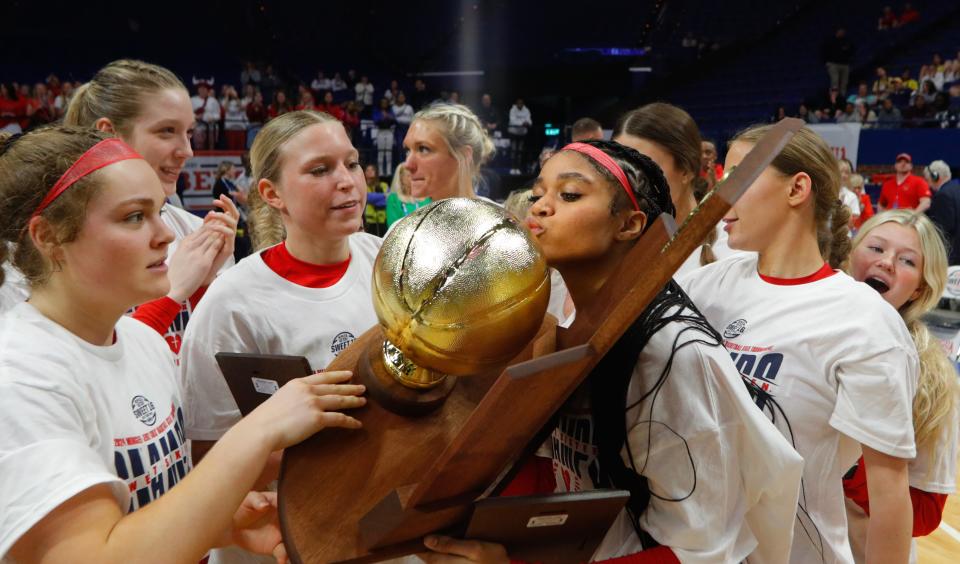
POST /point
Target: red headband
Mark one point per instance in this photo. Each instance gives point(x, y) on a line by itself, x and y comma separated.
point(606, 162)
point(102, 154)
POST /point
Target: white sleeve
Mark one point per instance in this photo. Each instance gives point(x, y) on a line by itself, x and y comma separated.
point(46, 457)
point(212, 111)
point(935, 467)
point(739, 494)
point(875, 398)
point(209, 407)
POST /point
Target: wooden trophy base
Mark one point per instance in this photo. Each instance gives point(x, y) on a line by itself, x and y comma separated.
point(346, 495)
point(400, 399)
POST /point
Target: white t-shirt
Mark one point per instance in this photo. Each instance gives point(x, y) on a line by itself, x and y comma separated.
point(839, 362)
point(75, 415)
point(14, 290)
point(721, 250)
point(252, 309)
point(747, 476)
point(850, 199)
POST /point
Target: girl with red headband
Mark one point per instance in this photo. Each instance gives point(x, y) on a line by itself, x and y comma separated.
point(93, 459)
point(664, 414)
point(787, 317)
point(149, 108)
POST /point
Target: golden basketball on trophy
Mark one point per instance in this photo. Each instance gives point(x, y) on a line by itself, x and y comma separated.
point(459, 287)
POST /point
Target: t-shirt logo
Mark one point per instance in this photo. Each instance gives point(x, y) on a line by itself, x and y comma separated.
point(341, 341)
point(144, 410)
point(735, 329)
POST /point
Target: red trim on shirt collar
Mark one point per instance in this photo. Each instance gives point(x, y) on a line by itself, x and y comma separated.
point(824, 272)
point(279, 260)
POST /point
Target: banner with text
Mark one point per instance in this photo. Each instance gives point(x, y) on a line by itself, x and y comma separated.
point(199, 175)
point(843, 138)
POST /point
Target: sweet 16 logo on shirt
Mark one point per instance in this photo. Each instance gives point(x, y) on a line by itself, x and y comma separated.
point(341, 341)
point(735, 329)
point(144, 410)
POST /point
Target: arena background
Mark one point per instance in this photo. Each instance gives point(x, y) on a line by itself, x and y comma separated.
point(730, 64)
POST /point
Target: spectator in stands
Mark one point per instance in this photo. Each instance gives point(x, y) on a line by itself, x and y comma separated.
point(256, 117)
point(778, 114)
point(909, 14)
point(585, 129)
point(206, 108)
point(837, 53)
point(488, 115)
point(280, 105)
point(328, 106)
point(320, 84)
point(918, 114)
point(364, 91)
point(888, 116)
point(248, 92)
point(928, 73)
point(454, 97)
point(270, 83)
point(40, 107)
point(351, 79)
point(847, 195)
point(888, 20)
point(834, 101)
point(403, 114)
point(250, 75)
point(307, 101)
point(391, 93)
point(804, 113)
point(909, 82)
point(944, 116)
point(351, 121)
point(862, 95)
point(848, 115)
point(866, 206)
point(945, 207)
point(881, 85)
point(898, 93)
point(866, 116)
point(904, 189)
point(928, 91)
point(234, 121)
point(400, 201)
point(375, 214)
point(420, 97)
point(385, 123)
point(337, 84)
point(710, 169)
point(518, 127)
point(62, 100)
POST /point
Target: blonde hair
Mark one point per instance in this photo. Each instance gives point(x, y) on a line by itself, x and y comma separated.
point(117, 93)
point(518, 203)
point(936, 396)
point(29, 167)
point(266, 160)
point(808, 153)
point(460, 128)
point(397, 184)
point(856, 181)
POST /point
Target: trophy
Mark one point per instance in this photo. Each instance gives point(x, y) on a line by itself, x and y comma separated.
point(459, 287)
point(464, 369)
